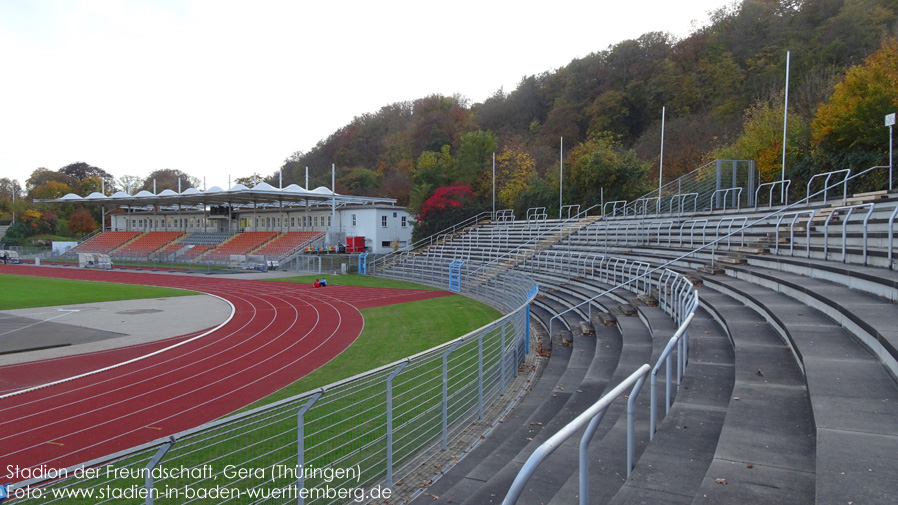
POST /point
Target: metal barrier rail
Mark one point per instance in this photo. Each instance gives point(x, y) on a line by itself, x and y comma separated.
point(674, 304)
point(615, 205)
point(703, 222)
point(850, 209)
point(680, 340)
point(892, 236)
point(589, 419)
point(784, 192)
point(732, 221)
point(681, 202)
point(721, 194)
point(826, 186)
point(430, 397)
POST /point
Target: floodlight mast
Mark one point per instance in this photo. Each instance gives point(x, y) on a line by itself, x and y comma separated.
point(785, 124)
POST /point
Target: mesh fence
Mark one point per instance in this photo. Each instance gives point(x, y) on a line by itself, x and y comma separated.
point(340, 443)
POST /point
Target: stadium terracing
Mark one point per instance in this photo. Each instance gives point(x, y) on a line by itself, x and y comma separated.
point(720, 340)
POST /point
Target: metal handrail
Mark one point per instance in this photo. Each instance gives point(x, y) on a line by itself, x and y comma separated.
point(614, 205)
point(850, 209)
point(892, 235)
point(732, 221)
point(776, 247)
point(844, 182)
point(431, 239)
point(664, 360)
point(737, 197)
point(589, 419)
point(680, 198)
point(784, 194)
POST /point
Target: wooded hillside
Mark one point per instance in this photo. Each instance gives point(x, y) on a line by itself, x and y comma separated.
point(720, 84)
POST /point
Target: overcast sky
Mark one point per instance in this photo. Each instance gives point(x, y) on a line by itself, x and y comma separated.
point(218, 88)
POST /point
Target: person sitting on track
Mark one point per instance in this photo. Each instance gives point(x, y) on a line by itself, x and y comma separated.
point(317, 284)
point(323, 282)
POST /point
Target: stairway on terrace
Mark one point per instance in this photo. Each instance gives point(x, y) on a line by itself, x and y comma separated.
point(838, 322)
point(485, 475)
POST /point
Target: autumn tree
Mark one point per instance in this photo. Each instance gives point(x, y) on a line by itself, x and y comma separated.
point(82, 222)
point(93, 185)
point(83, 171)
point(130, 183)
point(168, 178)
point(447, 206)
point(42, 176)
point(10, 198)
point(515, 171)
point(50, 190)
point(762, 139)
point(848, 130)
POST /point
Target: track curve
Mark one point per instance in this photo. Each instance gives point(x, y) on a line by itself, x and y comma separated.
point(279, 332)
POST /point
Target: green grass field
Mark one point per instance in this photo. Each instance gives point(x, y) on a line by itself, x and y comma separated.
point(23, 292)
point(392, 332)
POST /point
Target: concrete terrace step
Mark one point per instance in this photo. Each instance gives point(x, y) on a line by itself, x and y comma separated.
point(605, 450)
point(674, 464)
point(766, 447)
point(869, 318)
point(853, 397)
point(527, 419)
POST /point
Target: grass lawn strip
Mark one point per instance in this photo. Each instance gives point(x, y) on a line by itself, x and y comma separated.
point(394, 332)
point(25, 292)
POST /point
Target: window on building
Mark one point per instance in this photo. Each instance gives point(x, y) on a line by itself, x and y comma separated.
point(404, 221)
point(383, 221)
point(353, 220)
point(329, 220)
point(385, 243)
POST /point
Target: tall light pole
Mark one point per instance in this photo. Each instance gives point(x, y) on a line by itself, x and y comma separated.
point(785, 123)
point(494, 185)
point(560, 177)
point(661, 163)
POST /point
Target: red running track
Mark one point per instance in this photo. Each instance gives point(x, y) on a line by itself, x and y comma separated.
point(280, 332)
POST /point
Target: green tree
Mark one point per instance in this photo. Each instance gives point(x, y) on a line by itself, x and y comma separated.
point(361, 181)
point(601, 162)
point(474, 161)
point(435, 168)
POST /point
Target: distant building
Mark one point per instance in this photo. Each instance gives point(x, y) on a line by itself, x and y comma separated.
point(383, 225)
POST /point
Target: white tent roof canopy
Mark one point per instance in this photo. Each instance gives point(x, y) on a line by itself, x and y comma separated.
point(239, 194)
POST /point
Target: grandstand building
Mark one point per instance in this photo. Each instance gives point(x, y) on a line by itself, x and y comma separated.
point(377, 222)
